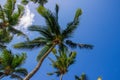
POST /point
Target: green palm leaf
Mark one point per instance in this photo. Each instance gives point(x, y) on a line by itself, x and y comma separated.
point(9, 8)
point(42, 30)
point(14, 76)
point(51, 20)
point(43, 51)
point(41, 2)
point(72, 25)
point(82, 77)
point(2, 15)
point(57, 10)
point(16, 15)
point(2, 47)
point(21, 71)
point(6, 57)
point(25, 2)
point(74, 45)
point(37, 42)
point(18, 60)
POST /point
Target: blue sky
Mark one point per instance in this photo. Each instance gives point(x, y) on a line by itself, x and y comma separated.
point(99, 25)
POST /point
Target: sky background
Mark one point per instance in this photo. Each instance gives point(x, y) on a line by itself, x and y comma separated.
point(99, 25)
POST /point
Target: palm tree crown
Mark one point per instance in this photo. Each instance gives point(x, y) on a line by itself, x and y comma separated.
point(10, 65)
point(52, 32)
point(9, 17)
point(63, 61)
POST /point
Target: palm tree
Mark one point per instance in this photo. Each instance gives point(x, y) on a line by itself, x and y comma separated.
point(10, 65)
point(82, 77)
point(9, 17)
point(51, 35)
point(63, 61)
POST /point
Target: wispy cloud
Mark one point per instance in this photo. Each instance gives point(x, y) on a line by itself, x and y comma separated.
point(27, 19)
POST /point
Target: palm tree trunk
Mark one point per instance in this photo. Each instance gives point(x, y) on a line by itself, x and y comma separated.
point(39, 64)
point(61, 76)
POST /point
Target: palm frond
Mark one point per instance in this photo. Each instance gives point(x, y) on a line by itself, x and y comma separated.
point(57, 10)
point(9, 8)
point(16, 76)
point(77, 78)
point(2, 46)
point(5, 36)
point(2, 15)
point(87, 46)
point(18, 32)
point(35, 1)
point(21, 71)
point(7, 57)
point(16, 15)
point(18, 60)
point(72, 25)
point(71, 44)
point(50, 74)
point(51, 20)
point(43, 51)
point(71, 58)
point(30, 44)
point(74, 45)
point(42, 30)
point(62, 47)
point(41, 2)
point(54, 51)
point(51, 60)
point(24, 2)
point(77, 14)
point(82, 77)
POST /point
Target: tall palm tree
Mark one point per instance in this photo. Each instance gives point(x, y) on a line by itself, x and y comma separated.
point(10, 65)
point(9, 18)
point(63, 61)
point(82, 77)
point(51, 35)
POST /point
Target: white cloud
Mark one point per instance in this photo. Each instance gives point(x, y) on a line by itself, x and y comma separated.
point(27, 18)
